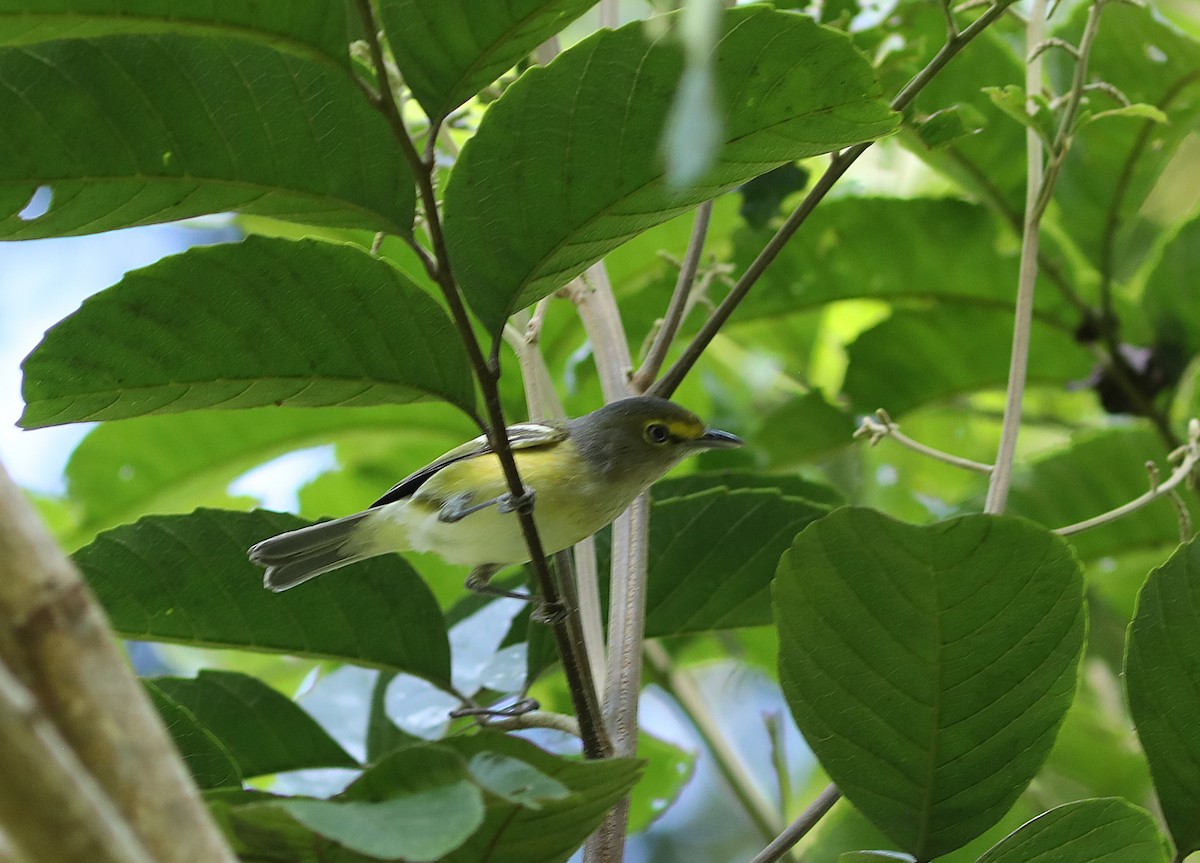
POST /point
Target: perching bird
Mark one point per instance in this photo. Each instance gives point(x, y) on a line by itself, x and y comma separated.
point(580, 474)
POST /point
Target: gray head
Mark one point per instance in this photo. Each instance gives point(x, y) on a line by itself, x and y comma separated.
point(643, 437)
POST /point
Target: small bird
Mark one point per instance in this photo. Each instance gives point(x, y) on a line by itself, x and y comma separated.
point(579, 475)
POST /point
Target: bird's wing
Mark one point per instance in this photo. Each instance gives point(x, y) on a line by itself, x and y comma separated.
point(520, 436)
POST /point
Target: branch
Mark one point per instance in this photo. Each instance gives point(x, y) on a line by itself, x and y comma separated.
point(1188, 456)
point(881, 426)
point(1038, 192)
point(55, 812)
point(56, 641)
point(841, 163)
point(675, 309)
point(595, 740)
point(799, 828)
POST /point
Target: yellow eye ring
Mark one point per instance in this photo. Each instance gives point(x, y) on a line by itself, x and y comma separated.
point(657, 433)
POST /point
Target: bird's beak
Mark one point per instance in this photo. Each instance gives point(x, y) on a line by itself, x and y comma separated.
point(717, 439)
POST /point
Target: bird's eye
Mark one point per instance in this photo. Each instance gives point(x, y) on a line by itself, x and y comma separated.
point(657, 433)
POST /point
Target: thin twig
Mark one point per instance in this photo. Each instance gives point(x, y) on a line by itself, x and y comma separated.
point(679, 302)
point(1189, 456)
point(536, 719)
point(799, 828)
point(881, 425)
point(669, 382)
point(595, 739)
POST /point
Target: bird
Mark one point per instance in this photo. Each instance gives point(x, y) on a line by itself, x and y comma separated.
point(579, 474)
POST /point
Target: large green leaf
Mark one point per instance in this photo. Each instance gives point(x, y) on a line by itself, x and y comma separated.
point(263, 730)
point(1169, 304)
point(316, 28)
point(1162, 665)
point(131, 130)
point(1086, 831)
point(448, 49)
point(261, 322)
point(565, 166)
point(211, 764)
point(930, 667)
point(171, 463)
point(187, 579)
point(920, 356)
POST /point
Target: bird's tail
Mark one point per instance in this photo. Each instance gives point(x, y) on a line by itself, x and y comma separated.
point(295, 557)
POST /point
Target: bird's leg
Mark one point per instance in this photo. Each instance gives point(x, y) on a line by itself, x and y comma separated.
point(459, 507)
point(478, 580)
point(545, 612)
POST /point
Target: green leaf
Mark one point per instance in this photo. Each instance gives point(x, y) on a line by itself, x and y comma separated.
point(248, 324)
point(918, 357)
point(1162, 665)
point(1121, 183)
point(171, 463)
point(1169, 305)
point(849, 251)
point(565, 166)
point(448, 49)
point(132, 130)
point(512, 833)
point(712, 556)
point(929, 668)
point(263, 730)
point(876, 857)
point(187, 579)
point(417, 804)
point(1086, 831)
point(316, 29)
point(788, 484)
point(1096, 473)
point(949, 124)
point(668, 770)
point(1138, 111)
point(762, 196)
point(211, 764)
point(1012, 100)
point(515, 780)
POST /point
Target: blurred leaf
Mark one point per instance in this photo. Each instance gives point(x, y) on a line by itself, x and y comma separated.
point(1083, 832)
point(515, 780)
point(762, 196)
point(187, 579)
point(264, 731)
point(876, 857)
point(920, 357)
point(949, 124)
point(788, 484)
point(594, 116)
point(383, 735)
point(1169, 299)
point(211, 764)
point(1012, 100)
point(132, 130)
point(1138, 111)
point(1117, 183)
point(512, 833)
point(668, 770)
point(417, 804)
point(448, 49)
point(248, 324)
point(316, 29)
point(802, 429)
point(849, 249)
point(1162, 665)
point(929, 668)
point(1097, 473)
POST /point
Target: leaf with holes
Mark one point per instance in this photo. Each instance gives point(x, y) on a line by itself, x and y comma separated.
point(186, 579)
point(566, 166)
point(1162, 665)
point(261, 322)
point(133, 130)
point(448, 49)
point(930, 667)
